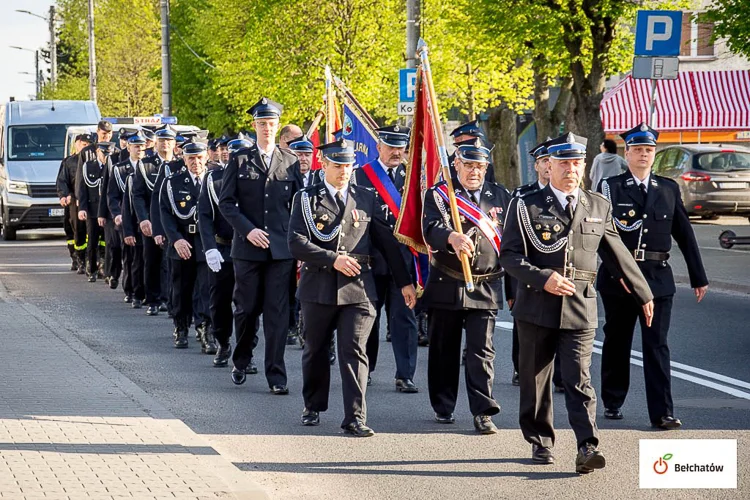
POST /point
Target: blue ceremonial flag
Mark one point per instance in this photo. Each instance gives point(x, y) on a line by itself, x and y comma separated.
point(355, 130)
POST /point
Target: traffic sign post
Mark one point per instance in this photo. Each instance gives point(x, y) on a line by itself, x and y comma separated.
point(658, 35)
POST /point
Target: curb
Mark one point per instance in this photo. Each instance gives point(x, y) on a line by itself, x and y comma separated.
point(239, 486)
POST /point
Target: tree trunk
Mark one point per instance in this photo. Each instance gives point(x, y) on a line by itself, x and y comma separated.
point(548, 121)
point(588, 123)
point(502, 133)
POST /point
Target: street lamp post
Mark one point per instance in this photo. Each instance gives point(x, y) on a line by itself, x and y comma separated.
point(36, 66)
point(52, 40)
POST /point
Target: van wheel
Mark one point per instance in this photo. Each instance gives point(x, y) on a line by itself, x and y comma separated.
point(8, 233)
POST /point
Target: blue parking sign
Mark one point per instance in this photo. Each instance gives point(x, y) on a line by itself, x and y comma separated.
point(658, 33)
point(407, 80)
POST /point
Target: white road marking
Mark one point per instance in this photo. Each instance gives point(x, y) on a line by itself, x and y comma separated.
point(38, 264)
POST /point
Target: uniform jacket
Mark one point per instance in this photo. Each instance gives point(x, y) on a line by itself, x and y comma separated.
point(144, 182)
point(211, 223)
point(442, 290)
point(654, 222)
point(66, 177)
point(253, 196)
point(360, 179)
point(88, 187)
point(165, 170)
point(362, 229)
point(103, 209)
point(178, 201)
point(117, 186)
point(129, 217)
point(539, 234)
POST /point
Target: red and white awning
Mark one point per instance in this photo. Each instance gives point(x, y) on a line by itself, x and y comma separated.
point(697, 100)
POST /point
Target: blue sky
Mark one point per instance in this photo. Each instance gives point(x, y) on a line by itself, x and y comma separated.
point(26, 31)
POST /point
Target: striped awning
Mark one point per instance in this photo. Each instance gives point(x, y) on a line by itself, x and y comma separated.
point(697, 100)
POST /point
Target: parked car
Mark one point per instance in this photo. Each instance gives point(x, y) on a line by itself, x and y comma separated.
point(32, 145)
point(714, 179)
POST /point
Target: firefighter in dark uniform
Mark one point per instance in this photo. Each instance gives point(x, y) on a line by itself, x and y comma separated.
point(550, 245)
point(133, 239)
point(66, 191)
point(216, 238)
point(132, 278)
point(144, 185)
point(178, 200)
point(333, 230)
point(450, 306)
point(648, 212)
point(542, 168)
point(386, 176)
point(89, 188)
point(466, 132)
point(256, 196)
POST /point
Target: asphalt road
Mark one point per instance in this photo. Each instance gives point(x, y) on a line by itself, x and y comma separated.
point(411, 457)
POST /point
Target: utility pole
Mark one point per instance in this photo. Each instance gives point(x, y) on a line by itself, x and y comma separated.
point(38, 77)
point(52, 47)
point(412, 31)
point(92, 54)
point(166, 63)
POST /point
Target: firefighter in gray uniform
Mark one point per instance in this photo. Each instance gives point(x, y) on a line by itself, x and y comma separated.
point(648, 212)
point(178, 200)
point(550, 245)
point(482, 205)
point(334, 229)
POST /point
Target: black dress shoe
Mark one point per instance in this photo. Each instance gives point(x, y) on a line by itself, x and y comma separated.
point(128, 299)
point(483, 424)
point(92, 278)
point(291, 337)
point(200, 331)
point(279, 390)
point(447, 418)
point(113, 283)
point(208, 343)
point(180, 338)
point(163, 307)
point(423, 340)
point(542, 455)
point(310, 417)
point(81, 270)
point(136, 304)
point(406, 385)
point(668, 423)
point(358, 429)
point(589, 459)
point(222, 355)
point(152, 310)
point(613, 413)
point(238, 376)
point(251, 368)
point(74, 266)
point(515, 380)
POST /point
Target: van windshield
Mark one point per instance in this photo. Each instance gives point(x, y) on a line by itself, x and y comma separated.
point(36, 142)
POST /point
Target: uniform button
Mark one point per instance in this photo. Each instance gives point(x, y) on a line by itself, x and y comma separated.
point(343, 221)
point(645, 216)
point(645, 230)
point(571, 248)
point(528, 286)
point(266, 211)
point(342, 234)
point(643, 246)
point(440, 279)
point(342, 247)
point(266, 195)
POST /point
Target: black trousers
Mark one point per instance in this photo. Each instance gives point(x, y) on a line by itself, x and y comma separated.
point(132, 282)
point(621, 315)
point(556, 375)
point(220, 287)
point(184, 273)
point(201, 314)
point(263, 288)
point(373, 341)
point(113, 250)
point(79, 231)
point(352, 324)
point(95, 244)
point(537, 348)
point(152, 257)
point(69, 234)
point(445, 329)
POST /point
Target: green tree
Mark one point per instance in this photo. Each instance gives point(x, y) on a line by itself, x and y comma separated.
point(731, 20)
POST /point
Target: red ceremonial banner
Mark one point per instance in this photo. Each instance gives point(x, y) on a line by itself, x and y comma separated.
point(422, 171)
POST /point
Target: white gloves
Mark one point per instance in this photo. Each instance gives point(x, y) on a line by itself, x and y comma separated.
point(214, 260)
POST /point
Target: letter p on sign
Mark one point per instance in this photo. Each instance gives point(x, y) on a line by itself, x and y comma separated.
point(658, 33)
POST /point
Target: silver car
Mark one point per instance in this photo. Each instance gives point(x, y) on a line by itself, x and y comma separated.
point(714, 179)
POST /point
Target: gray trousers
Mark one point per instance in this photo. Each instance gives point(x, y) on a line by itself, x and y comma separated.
point(537, 347)
point(352, 324)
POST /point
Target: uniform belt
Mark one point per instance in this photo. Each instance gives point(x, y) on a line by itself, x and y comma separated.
point(643, 255)
point(574, 274)
point(361, 259)
point(223, 241)
point(192, 228)
point(476, 278)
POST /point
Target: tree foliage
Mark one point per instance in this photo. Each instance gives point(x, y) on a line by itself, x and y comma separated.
point(731, 20)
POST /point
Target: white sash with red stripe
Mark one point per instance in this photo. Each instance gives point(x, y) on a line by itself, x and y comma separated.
point(474, 214)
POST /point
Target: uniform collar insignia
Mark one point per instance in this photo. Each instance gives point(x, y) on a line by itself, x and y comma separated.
point(322, 191)
point(488, 193)
point(584, 201)
point(187, 179)
point(549, 199)
point(403, 173)
point(653, 181)
point(629, 182)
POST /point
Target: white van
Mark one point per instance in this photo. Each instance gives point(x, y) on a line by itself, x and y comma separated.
point(32, 145)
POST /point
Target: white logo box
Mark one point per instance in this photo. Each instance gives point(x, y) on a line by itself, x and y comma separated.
point(688, 463)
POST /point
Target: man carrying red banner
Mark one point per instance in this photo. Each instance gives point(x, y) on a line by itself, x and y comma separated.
point(482, 206)
point(386, 176)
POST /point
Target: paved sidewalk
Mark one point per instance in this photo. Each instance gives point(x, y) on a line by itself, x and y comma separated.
point(71, 426)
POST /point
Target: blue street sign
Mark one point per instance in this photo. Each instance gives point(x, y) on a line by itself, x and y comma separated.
point(407, 80)
point(658, 33)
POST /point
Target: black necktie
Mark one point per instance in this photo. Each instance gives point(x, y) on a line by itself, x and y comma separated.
point(198, 182)
point(473, 198)
point(644, 192)
point(569, 206)
point(340, 202)
point(392, 175)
